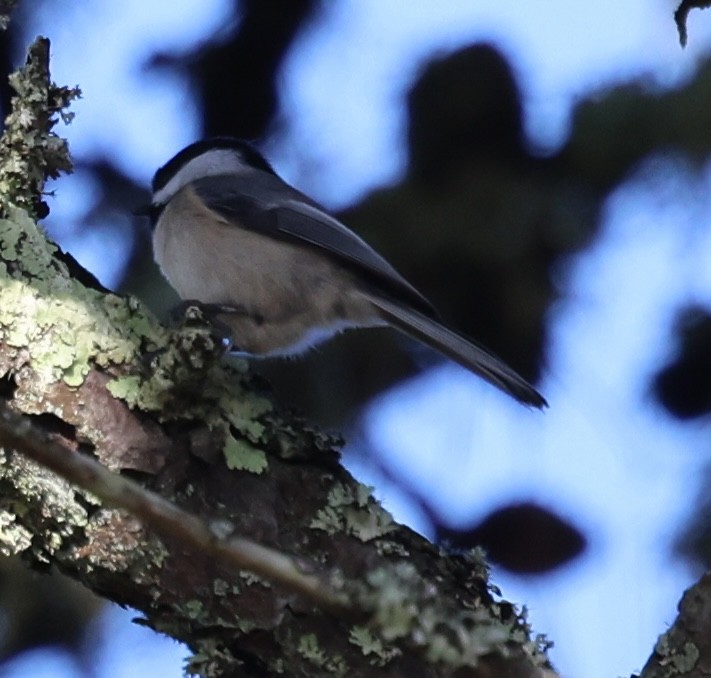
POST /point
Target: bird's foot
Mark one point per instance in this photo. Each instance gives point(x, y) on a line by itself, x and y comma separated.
point(191, 312)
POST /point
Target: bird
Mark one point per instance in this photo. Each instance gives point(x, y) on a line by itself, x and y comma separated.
point(280, 273)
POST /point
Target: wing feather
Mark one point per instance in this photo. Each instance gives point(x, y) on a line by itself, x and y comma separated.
point(282, 212)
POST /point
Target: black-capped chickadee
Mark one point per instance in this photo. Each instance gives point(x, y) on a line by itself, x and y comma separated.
point(281, 273)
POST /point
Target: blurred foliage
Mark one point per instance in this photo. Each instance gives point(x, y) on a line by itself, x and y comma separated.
point(44, 609)
point(615, 130)
point(234, 74)
point(11, 51)
point(694, 541)
point(683, 387)
point(114, 200)
point(524, 538)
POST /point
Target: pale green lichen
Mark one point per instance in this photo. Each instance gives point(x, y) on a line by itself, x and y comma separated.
point(676, 660)
point(241, 455)
point(39, 486)
point(14, 538)
point(243, 414)
point(171, 372)
point(480, 568)
point(210, 658)
point(396, 607)
point(308, 647)
point(372, 646)
point(175, 372)
point(66, 329)
point(385, 547)
point(220, 587)
point(129, 314)
point(61, 323)
point(406, 607)
point(125, 388)
point(250, 579)
point(663, 647)
point(687, 658)
point(327, 519)
point(194, 609)
point(352, 509)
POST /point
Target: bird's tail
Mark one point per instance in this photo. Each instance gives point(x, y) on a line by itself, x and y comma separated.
point(460, 349)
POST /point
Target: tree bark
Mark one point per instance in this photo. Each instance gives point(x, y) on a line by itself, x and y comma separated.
point(684, 651)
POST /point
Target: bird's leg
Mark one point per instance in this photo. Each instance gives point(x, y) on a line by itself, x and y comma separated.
point(190, 311)
point(196, 350)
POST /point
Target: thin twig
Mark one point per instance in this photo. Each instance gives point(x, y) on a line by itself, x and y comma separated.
point(681, 14)
point(165, 518)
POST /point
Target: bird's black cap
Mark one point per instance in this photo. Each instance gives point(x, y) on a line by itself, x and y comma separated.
point(246, 150)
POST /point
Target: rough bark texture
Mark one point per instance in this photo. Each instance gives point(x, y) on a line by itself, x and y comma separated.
point(99, 375)
point(684, 651)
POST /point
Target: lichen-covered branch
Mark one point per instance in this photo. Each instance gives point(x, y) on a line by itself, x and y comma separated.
point(162, 516)
point(99, 377)
point(29, 151)
point(684, 650)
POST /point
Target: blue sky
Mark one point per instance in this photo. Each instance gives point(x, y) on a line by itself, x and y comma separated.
point(602, 445)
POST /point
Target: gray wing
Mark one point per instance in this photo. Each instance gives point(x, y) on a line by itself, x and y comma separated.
point(283, 212)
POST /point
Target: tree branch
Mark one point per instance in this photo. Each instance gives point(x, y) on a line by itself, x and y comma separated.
point(684, 650)
point(682, 13)
point(166, 519)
